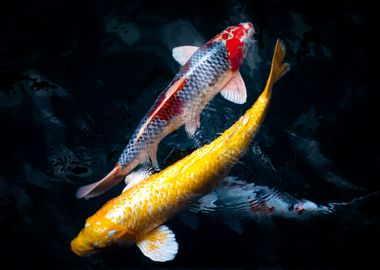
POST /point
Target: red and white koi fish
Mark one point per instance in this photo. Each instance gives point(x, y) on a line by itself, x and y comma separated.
point(206, 71)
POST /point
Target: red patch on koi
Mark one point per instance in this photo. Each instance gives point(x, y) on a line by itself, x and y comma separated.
point(261, 208)
point(234, 46)
point(299, 210)
point(169, 104)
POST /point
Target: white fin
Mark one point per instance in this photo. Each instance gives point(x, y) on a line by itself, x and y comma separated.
point(136, 177)
point(183, 53)
point(153, 155)
point(235, 90)
point(192, 126)
point(159, 245)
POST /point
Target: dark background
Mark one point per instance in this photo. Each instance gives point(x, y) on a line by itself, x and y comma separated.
point(76, 77)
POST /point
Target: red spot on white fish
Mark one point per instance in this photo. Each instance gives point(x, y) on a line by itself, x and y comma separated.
point(299, 210)
point(169, 104)
point(261, 208)
point(234, 43)
point(234, 38)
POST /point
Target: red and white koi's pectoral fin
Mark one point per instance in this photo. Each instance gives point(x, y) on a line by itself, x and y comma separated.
point(152, 152)
point(235, 90)
point(98, 188)
point(192, 126)
point(159, 245)
point(136, 177)
point(183, 53)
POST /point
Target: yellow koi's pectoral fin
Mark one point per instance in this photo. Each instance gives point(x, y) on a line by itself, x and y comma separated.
point(159, 245)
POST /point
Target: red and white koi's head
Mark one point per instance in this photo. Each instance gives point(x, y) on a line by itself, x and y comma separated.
point(237, 39)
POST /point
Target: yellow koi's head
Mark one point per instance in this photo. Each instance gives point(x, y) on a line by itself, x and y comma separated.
point(97, 234)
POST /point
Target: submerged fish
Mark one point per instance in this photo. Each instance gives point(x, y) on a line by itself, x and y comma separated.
point(206, 71)
point(235, 200)
point(137, 215)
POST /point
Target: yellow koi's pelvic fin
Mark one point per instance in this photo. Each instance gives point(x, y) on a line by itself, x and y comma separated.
point(159, 245)
point(279, 68)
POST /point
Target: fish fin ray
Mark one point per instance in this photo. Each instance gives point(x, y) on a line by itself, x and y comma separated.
point(192, 126)
point(279, 68)
point(136, 177)
point(159, 245)
point(183, 53)
point(153, 155)
point(101, 186)
point(235, 90)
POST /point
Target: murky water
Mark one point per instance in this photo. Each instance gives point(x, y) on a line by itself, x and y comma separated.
point(76, 77)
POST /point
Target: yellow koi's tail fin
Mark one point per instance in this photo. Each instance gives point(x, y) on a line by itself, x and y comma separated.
point(279, 68)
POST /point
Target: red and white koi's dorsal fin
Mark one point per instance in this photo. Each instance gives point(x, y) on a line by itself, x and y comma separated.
point(235, 90)
point(159, 245)
point(183, 53)
point(101, 186)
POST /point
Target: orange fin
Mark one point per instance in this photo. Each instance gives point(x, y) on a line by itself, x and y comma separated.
point(98, 188)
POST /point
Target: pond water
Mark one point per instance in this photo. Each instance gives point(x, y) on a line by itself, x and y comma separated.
point(76, 77)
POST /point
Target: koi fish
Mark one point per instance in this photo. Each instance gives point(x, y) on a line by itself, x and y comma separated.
point(138, 214)
point(235, 200)
point(206, 71)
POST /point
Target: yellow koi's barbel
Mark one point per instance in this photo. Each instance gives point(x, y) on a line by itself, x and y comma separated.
point(137, 215)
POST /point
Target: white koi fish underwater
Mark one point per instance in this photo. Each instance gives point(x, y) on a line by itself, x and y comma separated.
point(138, 214)
point(235, 201)
point(206, 71)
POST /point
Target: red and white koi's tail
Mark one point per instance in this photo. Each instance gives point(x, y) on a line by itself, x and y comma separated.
point(101, 186)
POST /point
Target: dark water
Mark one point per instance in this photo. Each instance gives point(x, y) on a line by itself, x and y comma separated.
point(77, 76)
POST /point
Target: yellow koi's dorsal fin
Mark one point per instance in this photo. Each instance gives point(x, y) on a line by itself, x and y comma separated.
point(279, 68)
point(159, 245)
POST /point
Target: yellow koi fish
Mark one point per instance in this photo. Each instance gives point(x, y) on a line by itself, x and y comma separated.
point(137, 215)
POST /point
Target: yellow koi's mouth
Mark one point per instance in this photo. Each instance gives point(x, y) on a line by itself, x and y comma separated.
point(81, 248)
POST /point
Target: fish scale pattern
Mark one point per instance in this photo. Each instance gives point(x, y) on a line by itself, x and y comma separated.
point(198, 76)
